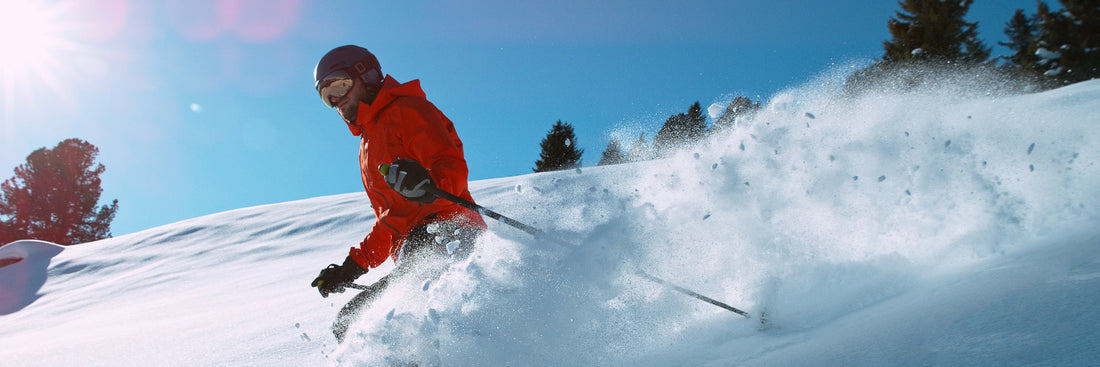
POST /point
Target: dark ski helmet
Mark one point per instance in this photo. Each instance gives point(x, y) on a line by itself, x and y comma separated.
point(356, 61)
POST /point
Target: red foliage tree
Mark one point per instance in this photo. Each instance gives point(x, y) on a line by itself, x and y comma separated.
point(53, 197)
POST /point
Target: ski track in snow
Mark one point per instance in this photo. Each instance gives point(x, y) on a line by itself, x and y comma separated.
point(893, 229)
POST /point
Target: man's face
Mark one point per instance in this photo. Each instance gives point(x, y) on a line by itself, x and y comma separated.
point(348, 105)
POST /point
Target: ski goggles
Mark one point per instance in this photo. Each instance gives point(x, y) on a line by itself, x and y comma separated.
point(335, 85)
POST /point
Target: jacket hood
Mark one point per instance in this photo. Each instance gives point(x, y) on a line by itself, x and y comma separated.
point(390, 91)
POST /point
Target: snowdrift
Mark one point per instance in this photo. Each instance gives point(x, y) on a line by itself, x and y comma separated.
point(918, 228)
point(23, 271)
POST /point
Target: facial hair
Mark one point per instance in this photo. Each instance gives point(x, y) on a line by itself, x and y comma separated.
point(351, 113)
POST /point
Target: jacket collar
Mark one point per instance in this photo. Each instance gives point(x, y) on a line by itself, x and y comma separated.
point(390, 91)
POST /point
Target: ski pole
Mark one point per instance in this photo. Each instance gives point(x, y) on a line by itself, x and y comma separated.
point(431, 188)
point(538, 233)
point(692, 293)
point(542, 235)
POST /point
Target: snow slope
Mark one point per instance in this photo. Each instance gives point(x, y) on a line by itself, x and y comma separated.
point(919, 228)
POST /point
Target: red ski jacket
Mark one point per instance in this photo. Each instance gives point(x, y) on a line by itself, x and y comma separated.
point(401, 123)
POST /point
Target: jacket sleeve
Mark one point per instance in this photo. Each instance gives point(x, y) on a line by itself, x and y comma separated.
point(375, 248)
point(432, 141)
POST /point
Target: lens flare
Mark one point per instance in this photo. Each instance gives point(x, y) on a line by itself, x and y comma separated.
point(47, 48)
point(31, 42)
point(27, 33)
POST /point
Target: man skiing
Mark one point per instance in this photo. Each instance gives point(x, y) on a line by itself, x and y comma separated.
point(406, 147)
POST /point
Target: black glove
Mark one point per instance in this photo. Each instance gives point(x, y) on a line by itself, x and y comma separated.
point(335, 278)
point(409, 179)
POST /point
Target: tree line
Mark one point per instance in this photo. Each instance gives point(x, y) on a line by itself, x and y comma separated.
point(1048, 48)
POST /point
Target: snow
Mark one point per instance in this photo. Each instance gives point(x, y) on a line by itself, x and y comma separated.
point(715, 110)
point(921, 228)
point(23, 270)
point(1046, 54)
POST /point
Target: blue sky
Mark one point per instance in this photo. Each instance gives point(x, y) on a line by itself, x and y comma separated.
point(204, 106)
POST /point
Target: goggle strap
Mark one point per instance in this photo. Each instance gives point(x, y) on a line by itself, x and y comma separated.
point(371, 77)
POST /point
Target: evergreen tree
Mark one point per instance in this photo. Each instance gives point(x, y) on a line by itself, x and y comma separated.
point(1053, 40)
point(1082, 59)
point(681, 129)
point(927, 37)
point(53, 197)
point(1022, 32)
point(739, 107)
point(1023, 65)
point(1068, 45)
point(640, 151)
point(934, 30)
point(559, 149)
point(613, 154)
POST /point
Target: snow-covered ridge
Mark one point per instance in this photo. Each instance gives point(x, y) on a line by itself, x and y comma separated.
point(895, 229)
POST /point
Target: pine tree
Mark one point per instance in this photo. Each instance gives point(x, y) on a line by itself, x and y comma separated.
point(640, 151)
point(1083, 57)
point(559, 149)
point(1053, 40)
point(1022, 32)
point(739, 107)
point(53, 197)
point(681, 129)
point(927, 37)
point(696, 122)
point(1068, 45)
point(613, 154)
point(934, 30)
point(1024, 66)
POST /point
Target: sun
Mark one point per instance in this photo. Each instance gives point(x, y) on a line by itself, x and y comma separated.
point(31, 44)
point(26, 34)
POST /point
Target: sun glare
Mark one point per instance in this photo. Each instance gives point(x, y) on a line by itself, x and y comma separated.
point(24, 34)
point(27, 35)
point(31, 44)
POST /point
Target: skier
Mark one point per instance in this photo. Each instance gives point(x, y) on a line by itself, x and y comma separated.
point(399, 127)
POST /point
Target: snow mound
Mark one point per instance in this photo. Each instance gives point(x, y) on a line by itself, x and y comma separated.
point(23, 272)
